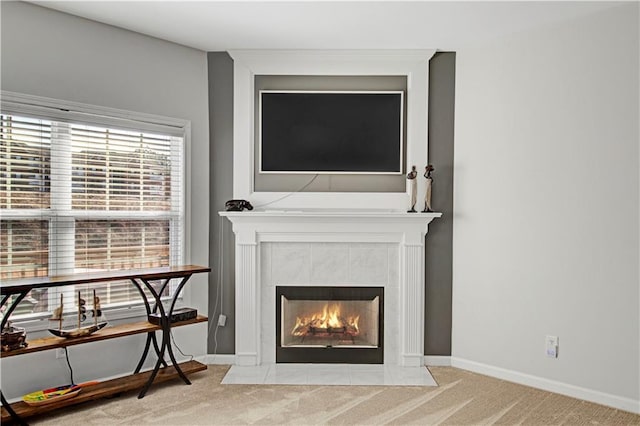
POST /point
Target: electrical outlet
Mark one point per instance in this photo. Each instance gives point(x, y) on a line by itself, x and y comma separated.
point(60, 353)
point(551, 345)
point(222, 320)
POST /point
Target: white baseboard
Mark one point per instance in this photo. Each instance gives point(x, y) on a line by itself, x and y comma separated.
point(437, 360)
point(210, 359)
point(621, 403)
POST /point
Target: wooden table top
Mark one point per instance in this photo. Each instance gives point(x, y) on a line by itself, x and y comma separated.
point(19, 285)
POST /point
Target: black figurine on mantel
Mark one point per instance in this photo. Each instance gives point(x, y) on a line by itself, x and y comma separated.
point(411, 178)
point(428, 186)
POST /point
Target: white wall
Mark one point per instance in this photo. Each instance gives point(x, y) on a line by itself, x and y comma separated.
point(52, 54)
point(546, 200)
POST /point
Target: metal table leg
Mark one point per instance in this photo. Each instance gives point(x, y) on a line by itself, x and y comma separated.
point(151, 337)
point(165, 325)
point(12, 306)
point(168, 331)
point(7, 407)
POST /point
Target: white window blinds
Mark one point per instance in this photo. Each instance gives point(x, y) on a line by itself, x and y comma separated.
point(78, 196)
point(25, 168)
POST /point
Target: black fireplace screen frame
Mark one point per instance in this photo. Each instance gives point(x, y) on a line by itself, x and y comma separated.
point(330, 355)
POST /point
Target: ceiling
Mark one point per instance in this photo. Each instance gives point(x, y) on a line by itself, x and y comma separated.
point(225, 25)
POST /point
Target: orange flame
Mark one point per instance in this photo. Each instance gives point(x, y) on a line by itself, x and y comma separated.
point(328, 318)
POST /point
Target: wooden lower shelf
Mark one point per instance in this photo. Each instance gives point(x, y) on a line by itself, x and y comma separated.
point(103, 389)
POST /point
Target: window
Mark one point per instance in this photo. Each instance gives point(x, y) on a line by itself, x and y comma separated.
point(82, 192)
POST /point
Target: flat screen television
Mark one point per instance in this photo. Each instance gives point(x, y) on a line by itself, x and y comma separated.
point(331, 132)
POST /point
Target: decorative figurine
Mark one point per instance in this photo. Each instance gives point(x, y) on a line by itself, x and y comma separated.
point(13, 338)
point(427, 194)
point(79, 330)
point(411, 177)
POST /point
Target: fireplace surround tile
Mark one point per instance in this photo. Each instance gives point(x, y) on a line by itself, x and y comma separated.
point(329, 263)
point(325, 374)
point(267, 326)
point(394, 262)
point(246, 375)
point(287, 377)
point(290, 263)
point(391, 328)
point(265, 264)
point(369, 264)
point(328, 377)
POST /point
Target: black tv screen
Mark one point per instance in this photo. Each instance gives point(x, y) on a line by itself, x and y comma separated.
point(331, 132)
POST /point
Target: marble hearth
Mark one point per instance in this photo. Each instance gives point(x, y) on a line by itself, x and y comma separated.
point(329, 248)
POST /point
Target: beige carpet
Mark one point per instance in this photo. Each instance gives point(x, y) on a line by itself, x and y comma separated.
point(462, 398)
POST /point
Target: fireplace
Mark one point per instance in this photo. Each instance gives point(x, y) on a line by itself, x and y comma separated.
point(329, 324)
point(321, 248)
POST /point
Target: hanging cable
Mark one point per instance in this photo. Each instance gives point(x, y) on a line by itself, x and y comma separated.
point(178, 347)
point(289, 194)
point(219, 286)
point(66, 355)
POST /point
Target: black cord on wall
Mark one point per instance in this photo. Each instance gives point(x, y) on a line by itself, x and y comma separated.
point(66, 355)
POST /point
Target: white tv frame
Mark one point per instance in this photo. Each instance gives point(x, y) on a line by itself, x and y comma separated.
point(413, 64)
point(320, 172)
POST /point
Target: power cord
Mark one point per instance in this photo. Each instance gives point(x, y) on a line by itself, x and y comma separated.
point(178, 347)
point(220, 276)
point(290, 193)
point(66, 355)
point(219, 288)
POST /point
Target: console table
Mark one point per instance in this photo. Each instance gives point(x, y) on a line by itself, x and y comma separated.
point(141, 279)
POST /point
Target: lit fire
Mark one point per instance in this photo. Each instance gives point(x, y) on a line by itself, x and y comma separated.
point(328, 321)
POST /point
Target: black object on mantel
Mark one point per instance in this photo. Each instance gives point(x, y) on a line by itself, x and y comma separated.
point(182, 314)
point(237, 205)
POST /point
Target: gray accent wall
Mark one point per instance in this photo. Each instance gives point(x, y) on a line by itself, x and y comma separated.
point(221, 240)
point(439, 240)
point(438, 244)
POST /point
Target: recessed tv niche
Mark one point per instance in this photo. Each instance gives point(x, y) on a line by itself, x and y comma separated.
point(331, 132)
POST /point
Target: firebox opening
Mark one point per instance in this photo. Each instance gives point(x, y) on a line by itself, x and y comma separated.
point(316, 323)
point(329, 324)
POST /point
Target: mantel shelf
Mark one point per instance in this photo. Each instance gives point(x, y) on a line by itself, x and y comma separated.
point(330, 225)
point(329, 213)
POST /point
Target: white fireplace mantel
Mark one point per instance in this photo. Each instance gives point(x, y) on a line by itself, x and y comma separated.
point(406, 230)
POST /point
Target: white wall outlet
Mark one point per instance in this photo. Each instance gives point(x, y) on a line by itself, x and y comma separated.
point(551, 345)
point(222, 320)
point(60, 353)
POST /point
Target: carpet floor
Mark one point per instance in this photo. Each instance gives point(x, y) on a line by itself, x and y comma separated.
point(462, 398)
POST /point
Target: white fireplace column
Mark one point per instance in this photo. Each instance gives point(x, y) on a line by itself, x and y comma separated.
point(412, 302)
point(247, 298)
point(404, 229)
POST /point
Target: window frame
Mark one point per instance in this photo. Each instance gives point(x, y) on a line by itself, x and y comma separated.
point(61, 112)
